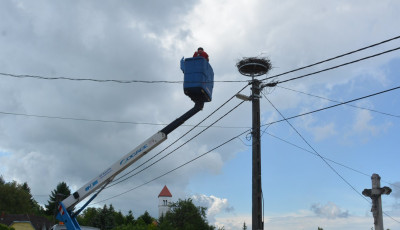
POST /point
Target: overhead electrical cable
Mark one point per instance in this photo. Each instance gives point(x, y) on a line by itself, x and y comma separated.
point(159, 124)
point(332, 106)
point(237, 136)
point(336, 57)
point(163, 81)
point(334, 67)
point(79, 119)
point(198, 125)
point(161, 158)
point(315, 151)
point(101, 80)
point(170, 171)
point(354, 106)
point(323, 159)
point(107, 121)
point(335, 162)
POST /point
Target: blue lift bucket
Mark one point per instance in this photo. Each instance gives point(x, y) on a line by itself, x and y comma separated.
point(198, 80)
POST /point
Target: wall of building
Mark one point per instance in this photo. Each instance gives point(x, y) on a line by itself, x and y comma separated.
point(22, 226)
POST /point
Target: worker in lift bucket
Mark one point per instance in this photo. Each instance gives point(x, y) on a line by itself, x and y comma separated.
point(201, 53)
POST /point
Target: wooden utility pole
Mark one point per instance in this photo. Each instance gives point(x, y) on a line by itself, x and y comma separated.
point(257, 222)
point(253, 67)
point(375, 195)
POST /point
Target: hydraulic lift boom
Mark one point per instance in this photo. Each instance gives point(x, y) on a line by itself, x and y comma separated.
point(97, 184)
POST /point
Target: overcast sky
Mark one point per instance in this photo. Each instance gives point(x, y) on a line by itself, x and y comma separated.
point(46, 136)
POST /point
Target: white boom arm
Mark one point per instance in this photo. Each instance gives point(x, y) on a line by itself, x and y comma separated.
point(115, 169)
point(98, 183)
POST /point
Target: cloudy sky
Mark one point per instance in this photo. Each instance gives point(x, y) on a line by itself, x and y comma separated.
point(67, 130)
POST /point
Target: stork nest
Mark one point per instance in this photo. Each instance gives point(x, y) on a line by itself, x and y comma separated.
point(254, 66)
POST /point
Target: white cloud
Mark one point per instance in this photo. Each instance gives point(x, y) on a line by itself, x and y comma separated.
point(365, 127)
point(396, 190)
point(214, 205)
point(318, 130)
point(323, 132)
point(234, 222)
point(329, 210)
point(302, 219)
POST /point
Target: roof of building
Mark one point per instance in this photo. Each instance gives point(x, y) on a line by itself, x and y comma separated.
point(165, 192)
point(37, 221)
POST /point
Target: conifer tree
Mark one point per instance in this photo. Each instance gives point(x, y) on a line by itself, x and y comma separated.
point(61, 192)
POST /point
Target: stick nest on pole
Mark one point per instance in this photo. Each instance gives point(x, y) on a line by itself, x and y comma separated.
point(254, 67)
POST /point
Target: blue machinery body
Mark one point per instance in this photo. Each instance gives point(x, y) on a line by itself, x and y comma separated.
point(198, 85)
point(199, 79)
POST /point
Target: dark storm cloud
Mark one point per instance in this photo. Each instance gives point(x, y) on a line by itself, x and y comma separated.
point(81, 39)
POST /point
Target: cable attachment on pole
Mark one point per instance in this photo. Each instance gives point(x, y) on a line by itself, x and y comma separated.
point(270, 84)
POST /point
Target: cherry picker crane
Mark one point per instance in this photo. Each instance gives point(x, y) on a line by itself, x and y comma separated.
point(198, 85)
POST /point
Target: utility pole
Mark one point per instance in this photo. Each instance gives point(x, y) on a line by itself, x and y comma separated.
point(256, 157)
point(375, 195)
point(253, 67)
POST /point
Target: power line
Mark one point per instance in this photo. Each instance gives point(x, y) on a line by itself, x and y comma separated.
point(104, 80)
point(180, 166)
point(315, 151)
point(161, 158)
point(336, 57)
point(119, 180)
point(354, 106)
point(105, 121)
point(79, 119)
point(177, 149)
point(159, 124)
point(332, 106)
point(323, 159)
point(163, 81)
point(318, 110)
point(334, 67)
point(223, 104)
point(237, 136)
point(335, 162)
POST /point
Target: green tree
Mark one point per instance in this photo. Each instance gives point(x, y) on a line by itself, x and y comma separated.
point(119, 218)
point(130, 219)
point(87, 217)
point(244, 226)
point(17, 199)
point(320, 228)
point(110, 217)
point(37, 209)
point(125, 227)
point(185, 215)
point(147, 219)
point(58, 194)
point(104, 218)
point(5, 227)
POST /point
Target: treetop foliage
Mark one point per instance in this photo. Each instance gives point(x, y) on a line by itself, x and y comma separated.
point(61, 192)
point(16, 198)
point(185, 215)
